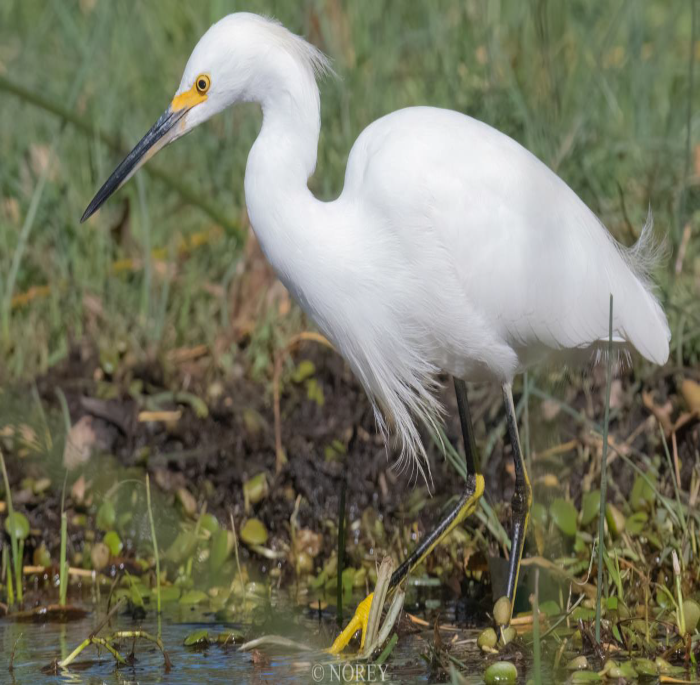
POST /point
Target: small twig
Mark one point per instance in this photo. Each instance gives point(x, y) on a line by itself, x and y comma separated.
point(11, 665)
point(536, 642)
point(341, 546)
point(676, 484)
point(108, 617)
point(143, 635)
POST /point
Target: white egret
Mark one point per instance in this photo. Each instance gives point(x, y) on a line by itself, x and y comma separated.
point(452, 249)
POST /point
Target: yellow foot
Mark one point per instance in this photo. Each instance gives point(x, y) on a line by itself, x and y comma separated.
point(357, 622)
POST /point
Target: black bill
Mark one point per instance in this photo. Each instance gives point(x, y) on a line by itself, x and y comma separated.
point(159, 136)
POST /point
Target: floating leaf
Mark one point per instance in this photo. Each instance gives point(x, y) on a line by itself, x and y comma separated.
point(193, 597)
point(169, 593)
point(590, 507)
point(620, 670)
point(230, 637)
point(17, 525)
point(501, 672)
point(254, 532)
point(564, 515)
point(585, 677)
point(113, 542)
point(197, 638)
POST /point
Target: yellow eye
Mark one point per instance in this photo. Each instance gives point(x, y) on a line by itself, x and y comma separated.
point(202, 84)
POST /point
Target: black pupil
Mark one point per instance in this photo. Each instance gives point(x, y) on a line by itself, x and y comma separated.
point(202, 84)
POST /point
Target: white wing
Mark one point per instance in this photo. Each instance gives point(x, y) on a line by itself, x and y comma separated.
point(535, 265)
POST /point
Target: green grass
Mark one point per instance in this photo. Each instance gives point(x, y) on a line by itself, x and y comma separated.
point(599, 92)
point(16, 545)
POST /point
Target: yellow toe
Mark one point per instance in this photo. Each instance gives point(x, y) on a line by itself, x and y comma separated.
point(357, 622)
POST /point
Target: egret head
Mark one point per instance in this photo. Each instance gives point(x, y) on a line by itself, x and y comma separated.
point(240, 58)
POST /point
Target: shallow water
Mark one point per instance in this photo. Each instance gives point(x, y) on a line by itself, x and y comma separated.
point(39, 644)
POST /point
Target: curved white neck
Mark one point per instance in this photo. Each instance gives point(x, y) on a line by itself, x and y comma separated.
point(284, 153)
point(283, 212)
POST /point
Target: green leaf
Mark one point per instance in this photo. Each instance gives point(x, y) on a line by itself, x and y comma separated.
point(585, 677)
point(17, 525)
point(113, 542)
point(315, 392)
point(590, 506)
point(256, 488)
point(564, 515)
point(183, 546)
point(636, 523)
point(209, 523)
point(550, 608)
point(583, 614)
point(169, 593)
point(501, 672)
point(254, 532)
point(643, 494)
point(305, 369)
point(193, 597)
point(197, 638)
point(615, 520)
point(106, 516)
point(538, 513)
point(230, 636)
point(219, 550)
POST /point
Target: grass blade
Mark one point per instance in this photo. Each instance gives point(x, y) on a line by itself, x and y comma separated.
point(16, 559)
point(154, 540)
point(603, 477)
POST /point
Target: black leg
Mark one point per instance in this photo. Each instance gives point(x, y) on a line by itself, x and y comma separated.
point(465, 506)
point(467, 501)
point(522, 497)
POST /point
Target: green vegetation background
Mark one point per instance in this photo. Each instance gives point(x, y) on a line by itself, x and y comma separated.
point(600, 91)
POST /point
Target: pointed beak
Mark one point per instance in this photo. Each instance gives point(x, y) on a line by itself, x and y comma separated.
point(164, 131)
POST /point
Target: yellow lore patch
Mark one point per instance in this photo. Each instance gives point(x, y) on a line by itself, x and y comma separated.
point(190, 98)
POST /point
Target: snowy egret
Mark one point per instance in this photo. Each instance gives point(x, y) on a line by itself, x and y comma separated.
point(452, 249)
